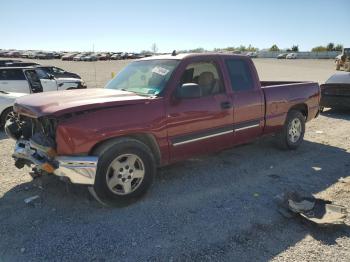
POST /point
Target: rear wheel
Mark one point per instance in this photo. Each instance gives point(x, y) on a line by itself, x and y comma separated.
point(293, 131)
point(125, 171)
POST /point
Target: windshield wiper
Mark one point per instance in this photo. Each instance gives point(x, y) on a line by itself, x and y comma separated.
point(140, 94)
point(4, 92)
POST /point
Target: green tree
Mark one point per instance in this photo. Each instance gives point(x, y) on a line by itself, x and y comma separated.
point(319, 49)
point(242, 48)
point(274, 48)
point(295, 48)
point(230, 48)
point(197, 50)
point(330, 47)
point(252, 48)
point(338, 47)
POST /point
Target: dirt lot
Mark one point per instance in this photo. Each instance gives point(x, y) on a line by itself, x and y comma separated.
point(213, 208)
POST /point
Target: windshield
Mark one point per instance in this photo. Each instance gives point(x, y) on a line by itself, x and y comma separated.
point(147, 77)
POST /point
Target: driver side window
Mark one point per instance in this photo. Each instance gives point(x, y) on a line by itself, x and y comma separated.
point(206, 75)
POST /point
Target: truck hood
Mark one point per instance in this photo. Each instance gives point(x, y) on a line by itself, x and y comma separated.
point(71, 101)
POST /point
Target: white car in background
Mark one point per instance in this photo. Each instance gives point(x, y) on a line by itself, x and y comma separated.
point(34, 80)
point(292, 56)
point(6, 105)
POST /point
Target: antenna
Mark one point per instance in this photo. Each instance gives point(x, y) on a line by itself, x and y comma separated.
point(93, 51)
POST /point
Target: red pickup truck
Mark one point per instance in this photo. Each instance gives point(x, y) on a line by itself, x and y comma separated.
point(156, 111)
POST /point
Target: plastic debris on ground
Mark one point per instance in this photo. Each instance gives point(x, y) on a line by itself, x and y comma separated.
point(318, 211)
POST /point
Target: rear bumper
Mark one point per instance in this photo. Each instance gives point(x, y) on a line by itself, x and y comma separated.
point(78, 169)
point(335, 101)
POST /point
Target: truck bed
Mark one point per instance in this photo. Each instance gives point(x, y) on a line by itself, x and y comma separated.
point(280, 96)
point(277, 83)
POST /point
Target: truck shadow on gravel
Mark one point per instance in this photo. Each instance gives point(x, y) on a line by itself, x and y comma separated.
point(209, 208)
point(2, 135)
point(337, 114)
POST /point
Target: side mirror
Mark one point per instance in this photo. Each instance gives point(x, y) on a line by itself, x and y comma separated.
point(51, 77)
point(188, 90)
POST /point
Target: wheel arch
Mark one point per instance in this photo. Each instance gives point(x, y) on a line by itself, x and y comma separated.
point(302, 107)
point(148, 139)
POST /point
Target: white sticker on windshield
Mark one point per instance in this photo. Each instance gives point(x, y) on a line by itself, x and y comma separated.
point(160, 71)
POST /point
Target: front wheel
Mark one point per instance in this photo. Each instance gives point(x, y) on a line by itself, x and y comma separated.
point(6, 115)
point(125, 171)
point(293, 131)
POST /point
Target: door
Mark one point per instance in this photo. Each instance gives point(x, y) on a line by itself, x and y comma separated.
point(47, 83)
point(202, 124)
point(248, 100)
point(13, 80)
point(33, 80)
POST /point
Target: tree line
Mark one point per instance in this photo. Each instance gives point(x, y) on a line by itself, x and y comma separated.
point(273, 48)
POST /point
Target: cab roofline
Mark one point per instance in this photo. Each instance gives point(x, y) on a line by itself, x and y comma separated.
point(183, 56)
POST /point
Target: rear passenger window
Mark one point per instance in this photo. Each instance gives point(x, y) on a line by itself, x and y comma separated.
point(240, 75)
point(12, 74)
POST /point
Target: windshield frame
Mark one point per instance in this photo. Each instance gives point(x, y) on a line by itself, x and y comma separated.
point(165, 87)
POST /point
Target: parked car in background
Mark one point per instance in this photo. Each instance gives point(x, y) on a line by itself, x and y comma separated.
point(335, 92)
point(58, 72)
point(116, 56)
point(26, 54)
point(113, 139)
point(20, 64)
point(123, 55)
point(45, 55)
point(79, 57)
point(282, 56)
point(7, 100)
point(12, 54)
point(252, 54)
point(3, 62)
point(90, 58)
point(34, 80)
point(57, 55)
point(103, 56)
point(292, 56)
point(68, 57)
point(342, 61)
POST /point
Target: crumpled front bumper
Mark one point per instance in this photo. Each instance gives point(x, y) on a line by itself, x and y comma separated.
point(78, 169)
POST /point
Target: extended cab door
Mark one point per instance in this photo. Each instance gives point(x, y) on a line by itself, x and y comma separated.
point(47, 83)
point(201, 124)
point(33, 80)
point(13, 80)
point(248, 99)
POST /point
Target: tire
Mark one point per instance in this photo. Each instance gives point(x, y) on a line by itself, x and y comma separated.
point(293, 131)
point(5, 115)
point(337, 66)
point(113, 168)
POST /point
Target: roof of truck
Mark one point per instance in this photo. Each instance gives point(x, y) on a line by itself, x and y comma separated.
point(187, 55)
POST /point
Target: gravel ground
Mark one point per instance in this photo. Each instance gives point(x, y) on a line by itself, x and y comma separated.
point(213, 208)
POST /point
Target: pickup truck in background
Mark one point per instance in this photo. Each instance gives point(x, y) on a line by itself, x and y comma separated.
point(156, 111)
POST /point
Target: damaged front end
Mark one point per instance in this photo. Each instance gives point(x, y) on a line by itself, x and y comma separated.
point(36, 147)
